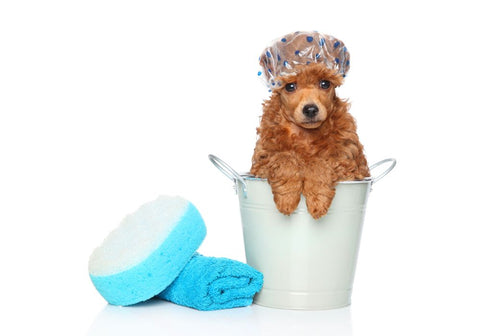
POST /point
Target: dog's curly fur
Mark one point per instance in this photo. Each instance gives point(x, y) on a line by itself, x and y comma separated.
point(299, 153)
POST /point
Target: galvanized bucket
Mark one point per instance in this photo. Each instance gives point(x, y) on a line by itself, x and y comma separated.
point(307, 264)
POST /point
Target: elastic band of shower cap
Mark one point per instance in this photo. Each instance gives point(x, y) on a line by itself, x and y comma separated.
point(302, 48)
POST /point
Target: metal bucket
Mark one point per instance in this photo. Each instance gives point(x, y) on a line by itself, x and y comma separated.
point(307, 264)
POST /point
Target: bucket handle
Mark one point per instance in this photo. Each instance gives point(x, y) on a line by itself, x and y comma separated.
point(377, 178)
point(238, 179)
point(229, 172)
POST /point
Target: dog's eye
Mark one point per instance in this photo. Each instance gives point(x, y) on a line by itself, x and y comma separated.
point(324, 84)
point(290, 87)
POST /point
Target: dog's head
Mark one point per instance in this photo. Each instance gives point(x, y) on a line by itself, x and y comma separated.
point(308, 97)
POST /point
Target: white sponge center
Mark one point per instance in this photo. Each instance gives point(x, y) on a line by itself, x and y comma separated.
point(137, 236)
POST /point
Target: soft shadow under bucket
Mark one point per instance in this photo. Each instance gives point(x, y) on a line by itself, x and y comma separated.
point(307, 264)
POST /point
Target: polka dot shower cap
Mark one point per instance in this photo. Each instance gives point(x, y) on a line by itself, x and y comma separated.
point(302, 48)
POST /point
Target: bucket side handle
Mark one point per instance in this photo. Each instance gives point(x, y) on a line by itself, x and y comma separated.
point(229, 172)
point(377, 178)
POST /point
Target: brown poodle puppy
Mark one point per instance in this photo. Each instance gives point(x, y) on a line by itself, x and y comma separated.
point(307, 141)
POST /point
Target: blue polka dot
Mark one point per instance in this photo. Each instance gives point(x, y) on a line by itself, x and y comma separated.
point(268, 54)
point(322, 42)
point(317, 56)
point(273, 83)
point(259, 73)
point(337, 60)
point(308, 63)
point(285, 63)
point(269, 70)
point(347, 63)
point(336, 44)
point(278, 57)
point(284, 40)
point(309, 39)
point(297, 52)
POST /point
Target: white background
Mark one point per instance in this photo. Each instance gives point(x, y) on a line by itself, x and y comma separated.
point(106, 104)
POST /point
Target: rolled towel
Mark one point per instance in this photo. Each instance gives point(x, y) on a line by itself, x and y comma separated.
point(147, 251)
point(209, 283)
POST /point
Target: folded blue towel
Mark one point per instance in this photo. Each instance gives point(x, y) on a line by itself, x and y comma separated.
point(209, 283)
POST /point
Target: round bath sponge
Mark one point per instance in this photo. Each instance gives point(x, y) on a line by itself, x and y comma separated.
point(147, 251)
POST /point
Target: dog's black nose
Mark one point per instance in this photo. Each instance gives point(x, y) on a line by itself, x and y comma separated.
point(310, 110)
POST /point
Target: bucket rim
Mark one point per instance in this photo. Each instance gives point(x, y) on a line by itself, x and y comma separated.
point(250, 177)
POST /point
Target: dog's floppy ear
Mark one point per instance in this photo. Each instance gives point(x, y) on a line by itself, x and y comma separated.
point(272, 107)
point(274, 103)
point(336, 80)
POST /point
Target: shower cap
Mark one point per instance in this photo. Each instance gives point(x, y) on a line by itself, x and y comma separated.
point(302, 48)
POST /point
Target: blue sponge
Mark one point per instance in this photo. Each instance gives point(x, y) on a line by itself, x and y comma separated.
point(143, 255)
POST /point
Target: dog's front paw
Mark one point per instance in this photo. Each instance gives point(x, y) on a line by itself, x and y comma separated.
point(287, 203)
point(316, 209)
point(318, 205)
